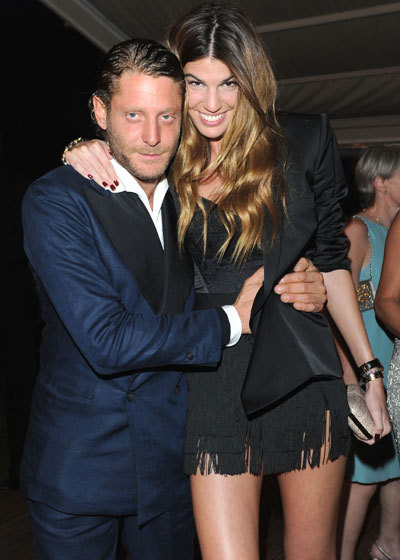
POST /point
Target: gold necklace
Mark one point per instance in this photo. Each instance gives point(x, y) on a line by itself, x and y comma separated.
point(375, 218)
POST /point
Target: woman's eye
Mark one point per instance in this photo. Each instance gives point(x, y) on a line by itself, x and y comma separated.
point(231, 84)
point(194, 83)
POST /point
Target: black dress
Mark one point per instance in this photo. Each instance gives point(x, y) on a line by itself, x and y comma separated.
point(220, 438)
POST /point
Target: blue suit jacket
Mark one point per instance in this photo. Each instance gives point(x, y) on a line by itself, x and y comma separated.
point(108, 417)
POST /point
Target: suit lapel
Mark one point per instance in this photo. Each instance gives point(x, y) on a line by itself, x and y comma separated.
point(165, 277)
point(132, 232)
point(178, 270)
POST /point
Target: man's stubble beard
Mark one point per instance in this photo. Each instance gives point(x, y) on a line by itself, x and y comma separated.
point(119, 149)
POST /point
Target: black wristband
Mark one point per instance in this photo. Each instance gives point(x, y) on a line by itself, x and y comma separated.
point(371, 376)
point(367, 366)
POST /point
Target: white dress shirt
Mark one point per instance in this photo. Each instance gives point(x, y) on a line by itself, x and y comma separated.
point(128, 183)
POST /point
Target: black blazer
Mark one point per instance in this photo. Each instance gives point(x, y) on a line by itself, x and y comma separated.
point(292, 347)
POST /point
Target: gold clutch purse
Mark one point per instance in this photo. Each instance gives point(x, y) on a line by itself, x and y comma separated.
point(360, 419)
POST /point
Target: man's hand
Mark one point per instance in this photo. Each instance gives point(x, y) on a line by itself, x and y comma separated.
point(304, 287)
point(245, 299)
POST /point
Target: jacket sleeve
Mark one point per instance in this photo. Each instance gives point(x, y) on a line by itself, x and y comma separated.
point(329, 187)
point(61, 248)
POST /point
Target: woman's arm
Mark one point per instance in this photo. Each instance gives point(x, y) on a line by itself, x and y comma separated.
point(92, 158)
point(358, 255)
point(387, 305)
point(343, 308)
point(329, 189)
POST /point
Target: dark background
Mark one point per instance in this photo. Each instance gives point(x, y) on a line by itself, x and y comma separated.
point(48, 72)
point(47, 75)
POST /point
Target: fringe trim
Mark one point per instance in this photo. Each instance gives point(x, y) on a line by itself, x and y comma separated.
point(325, 439)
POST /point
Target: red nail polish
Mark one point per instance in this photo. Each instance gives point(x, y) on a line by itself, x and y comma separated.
point(90, 176)
point(104, 184)
point(112, 187)
point(377, 437)
point(116, 183)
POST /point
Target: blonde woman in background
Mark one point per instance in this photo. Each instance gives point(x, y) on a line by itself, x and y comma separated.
point(373, 468)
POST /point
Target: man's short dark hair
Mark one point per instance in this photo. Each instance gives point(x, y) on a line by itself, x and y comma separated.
point(142, 56)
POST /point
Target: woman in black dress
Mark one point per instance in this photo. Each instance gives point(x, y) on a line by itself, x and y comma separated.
point(253, 191)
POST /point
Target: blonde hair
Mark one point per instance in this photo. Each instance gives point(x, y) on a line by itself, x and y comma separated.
point(382, 160)
point(248, 160)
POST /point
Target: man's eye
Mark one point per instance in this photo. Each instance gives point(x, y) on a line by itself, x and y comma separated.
point(132, 115)
point(167, 117)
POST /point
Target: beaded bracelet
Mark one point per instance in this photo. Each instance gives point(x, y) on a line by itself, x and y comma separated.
point(69, 147)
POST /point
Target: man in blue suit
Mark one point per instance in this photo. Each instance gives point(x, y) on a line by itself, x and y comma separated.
point(105, 441)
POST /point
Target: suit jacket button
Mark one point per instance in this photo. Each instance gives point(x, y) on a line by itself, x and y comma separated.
point(131, 396)
point(190, 355)
point(177, 390)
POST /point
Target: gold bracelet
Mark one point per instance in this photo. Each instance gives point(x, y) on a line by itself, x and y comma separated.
point(69, 147)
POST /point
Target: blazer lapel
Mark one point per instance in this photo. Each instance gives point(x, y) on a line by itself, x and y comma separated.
point(131, 230)
point(178, 270)
point(271, 264)
point(276, 260)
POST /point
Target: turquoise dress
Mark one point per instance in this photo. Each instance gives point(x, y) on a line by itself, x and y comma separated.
point(377, 463)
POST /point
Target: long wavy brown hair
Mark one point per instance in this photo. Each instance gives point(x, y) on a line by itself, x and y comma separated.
point(248, 160)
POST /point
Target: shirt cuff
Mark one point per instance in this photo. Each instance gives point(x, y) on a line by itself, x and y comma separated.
point(235, 324)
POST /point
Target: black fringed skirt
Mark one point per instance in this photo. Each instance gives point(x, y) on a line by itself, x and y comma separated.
point(291, 435)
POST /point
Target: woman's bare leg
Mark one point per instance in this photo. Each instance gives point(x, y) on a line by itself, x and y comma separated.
point(310, 500)
point(355, 502)
point(226, 510)
point(389, 530)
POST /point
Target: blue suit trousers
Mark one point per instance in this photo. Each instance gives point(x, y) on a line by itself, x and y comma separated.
point(65, 536)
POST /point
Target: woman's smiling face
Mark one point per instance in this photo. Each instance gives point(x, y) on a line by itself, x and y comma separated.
point(212, 96)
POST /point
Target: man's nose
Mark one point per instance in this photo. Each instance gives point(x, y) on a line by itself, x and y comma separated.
point(151, 132)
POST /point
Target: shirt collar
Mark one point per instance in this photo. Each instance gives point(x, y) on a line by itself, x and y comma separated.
point(127, 182)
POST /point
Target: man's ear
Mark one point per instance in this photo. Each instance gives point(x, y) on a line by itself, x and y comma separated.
point(100, 112)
